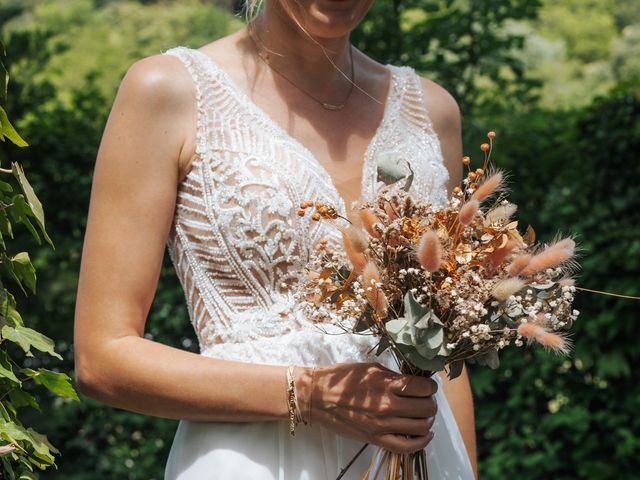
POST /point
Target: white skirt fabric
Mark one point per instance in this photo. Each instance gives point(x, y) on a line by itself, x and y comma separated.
point(266, 451)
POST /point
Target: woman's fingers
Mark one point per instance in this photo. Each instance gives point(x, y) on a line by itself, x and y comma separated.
point(412, 386)
point(403, 444)
point(411, 407)
point(407, 426)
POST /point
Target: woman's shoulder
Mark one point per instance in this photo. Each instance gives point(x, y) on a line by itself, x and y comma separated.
point(443, 108)
point(158, 82)
point(160, 91)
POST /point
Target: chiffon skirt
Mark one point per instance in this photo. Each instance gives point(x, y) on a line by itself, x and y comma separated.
point(266, 451)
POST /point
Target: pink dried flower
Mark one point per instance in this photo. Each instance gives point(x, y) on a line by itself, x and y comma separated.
point(429, 251)
point(518, 264)
point(551, 340)
point(507, 287)
point(468, 211)
point(369, 219)
point(566, 243)
point(357, 259)
point(391, 212)
point(555, 341)
point(566, 282)
point(541, 320)
point(358, 241)
point(501, 213)
point(550, 257)
point(488, 187)
point(376, 298)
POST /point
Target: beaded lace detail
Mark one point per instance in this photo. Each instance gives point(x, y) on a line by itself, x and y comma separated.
point(237, 243)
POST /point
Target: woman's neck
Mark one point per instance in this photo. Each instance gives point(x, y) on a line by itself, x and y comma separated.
point(308, 62)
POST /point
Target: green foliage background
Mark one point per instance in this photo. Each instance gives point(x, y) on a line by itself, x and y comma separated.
point(560, 83)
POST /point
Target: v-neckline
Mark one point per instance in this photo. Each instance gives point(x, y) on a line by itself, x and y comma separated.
point(283, 133)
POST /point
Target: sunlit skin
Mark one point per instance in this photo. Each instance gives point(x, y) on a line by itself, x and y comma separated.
point(146, 150)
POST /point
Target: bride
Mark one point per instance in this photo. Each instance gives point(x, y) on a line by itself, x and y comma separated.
point(210, 152)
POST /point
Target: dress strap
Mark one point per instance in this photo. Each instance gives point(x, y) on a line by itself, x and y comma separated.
point(414, 108)
point(197, 70)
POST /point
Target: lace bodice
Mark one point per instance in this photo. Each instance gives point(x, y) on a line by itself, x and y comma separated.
point(237, 243)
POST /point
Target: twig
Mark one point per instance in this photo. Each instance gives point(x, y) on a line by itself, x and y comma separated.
point(344, 470)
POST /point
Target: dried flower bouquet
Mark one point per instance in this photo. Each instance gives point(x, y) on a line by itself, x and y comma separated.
point(440, 285)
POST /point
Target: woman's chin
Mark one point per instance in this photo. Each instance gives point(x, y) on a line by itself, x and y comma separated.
point(332, 18)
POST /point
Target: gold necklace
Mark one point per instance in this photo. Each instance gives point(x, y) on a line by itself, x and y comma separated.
point(326, 105)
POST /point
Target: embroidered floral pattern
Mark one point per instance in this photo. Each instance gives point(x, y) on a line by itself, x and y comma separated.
point(237, 243)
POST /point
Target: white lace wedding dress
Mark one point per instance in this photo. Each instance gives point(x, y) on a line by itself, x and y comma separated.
point(238, 245)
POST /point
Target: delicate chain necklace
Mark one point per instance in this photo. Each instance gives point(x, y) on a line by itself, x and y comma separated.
point(326, 105)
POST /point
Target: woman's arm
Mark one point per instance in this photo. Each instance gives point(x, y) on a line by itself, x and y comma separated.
point(130, 214)
point(445, 116)
point(146, 143)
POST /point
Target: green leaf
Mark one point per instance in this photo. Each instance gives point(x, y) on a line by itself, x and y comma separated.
point(5, 224)
point(6, 370)
point(4, 75)
point(7, 266)
point(32, 199)
point(20, 398)
point(5, 187)
point(7, 130)
point(434, 364)
point(382, 345)
point(455, 369)
point(8, 312)
point(396, 325)
point(489, 359)
point(27, 338)
point(15, 433)
point(20, 212)
point(25, 270)
point(58, 383)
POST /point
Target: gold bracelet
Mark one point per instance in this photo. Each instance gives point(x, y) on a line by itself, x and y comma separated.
point(292, 402)
point(313, 371)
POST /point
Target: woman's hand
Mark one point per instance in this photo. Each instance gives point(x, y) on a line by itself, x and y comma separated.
point(371, 403)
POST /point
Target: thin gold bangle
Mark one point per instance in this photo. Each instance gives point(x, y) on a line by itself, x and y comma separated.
point(313, 371)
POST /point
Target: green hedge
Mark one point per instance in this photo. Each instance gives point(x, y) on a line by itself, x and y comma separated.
point(542, 416)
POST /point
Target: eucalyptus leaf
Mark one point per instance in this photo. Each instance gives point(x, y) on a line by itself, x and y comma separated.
point(489, 358)
point(396, 325)
point(435, 364)
point(413, 312)
point(382, 345)
point(455, 369)
point(389, 169)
